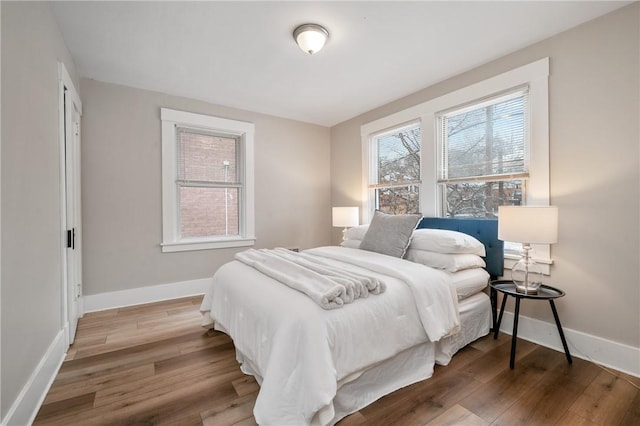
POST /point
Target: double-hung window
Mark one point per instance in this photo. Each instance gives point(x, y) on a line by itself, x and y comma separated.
point(207, 181)
point(395, 172)
point(483, 155)
point(480, 147)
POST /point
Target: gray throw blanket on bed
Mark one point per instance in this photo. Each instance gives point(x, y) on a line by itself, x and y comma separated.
point(329, 285)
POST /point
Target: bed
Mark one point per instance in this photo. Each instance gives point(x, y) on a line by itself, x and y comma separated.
point(315, 365)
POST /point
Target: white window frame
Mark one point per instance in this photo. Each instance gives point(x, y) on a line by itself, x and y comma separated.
point(535, 75)
point(171, 120)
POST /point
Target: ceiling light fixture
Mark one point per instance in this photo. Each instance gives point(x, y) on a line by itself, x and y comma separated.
point(310, 37)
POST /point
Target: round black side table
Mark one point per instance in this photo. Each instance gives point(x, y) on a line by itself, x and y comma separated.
point(545, 292)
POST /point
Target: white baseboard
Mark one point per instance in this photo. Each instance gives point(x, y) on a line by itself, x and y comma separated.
point(141, 295)
point(24, 409)
point(610, 354)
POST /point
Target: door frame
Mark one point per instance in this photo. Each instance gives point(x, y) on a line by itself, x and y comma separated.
point(65, 85)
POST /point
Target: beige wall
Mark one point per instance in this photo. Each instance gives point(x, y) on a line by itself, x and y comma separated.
point(121, 192)
point(301, 171)
point(594, 159)
point(31, 228)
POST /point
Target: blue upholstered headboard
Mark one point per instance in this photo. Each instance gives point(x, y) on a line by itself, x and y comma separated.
point(485, 230)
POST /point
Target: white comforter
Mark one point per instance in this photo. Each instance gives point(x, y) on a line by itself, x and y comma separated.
point(302, 353)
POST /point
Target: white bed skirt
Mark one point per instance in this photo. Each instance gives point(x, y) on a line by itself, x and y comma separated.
point(414, 364)
point(410, 366)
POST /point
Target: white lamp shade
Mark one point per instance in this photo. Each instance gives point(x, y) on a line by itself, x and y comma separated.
point(310, 37)
point(528, 224)
point(345, 217)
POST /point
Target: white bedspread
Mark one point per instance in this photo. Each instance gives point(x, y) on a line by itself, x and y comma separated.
point(301, 353)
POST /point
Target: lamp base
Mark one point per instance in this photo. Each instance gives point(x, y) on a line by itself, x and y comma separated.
point(527, 274)
point(526, 290)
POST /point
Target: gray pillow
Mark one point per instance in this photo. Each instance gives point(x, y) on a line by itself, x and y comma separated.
point(390, 234)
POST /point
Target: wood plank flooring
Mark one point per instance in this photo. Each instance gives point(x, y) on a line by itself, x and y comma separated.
point(154, 365)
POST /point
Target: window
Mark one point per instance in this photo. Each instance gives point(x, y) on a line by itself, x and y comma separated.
point(483, 156)
point(395, 170)
point(207, 167)
point(480, 146)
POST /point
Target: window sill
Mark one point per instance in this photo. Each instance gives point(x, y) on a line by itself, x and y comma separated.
point(191, 245)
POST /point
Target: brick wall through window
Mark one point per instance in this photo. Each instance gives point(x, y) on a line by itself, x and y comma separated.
point(207, 173)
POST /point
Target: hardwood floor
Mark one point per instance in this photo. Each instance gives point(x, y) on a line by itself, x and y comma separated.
point(154, 365)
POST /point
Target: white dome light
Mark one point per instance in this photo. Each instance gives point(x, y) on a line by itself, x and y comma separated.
point(310, 37)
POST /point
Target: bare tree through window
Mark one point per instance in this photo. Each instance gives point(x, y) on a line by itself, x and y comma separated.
point(484, 162)
point(398, 171)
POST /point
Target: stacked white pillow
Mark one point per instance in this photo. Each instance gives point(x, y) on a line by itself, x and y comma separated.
point(446, 261)
point(438, 248)
point(457, 253)
point(446, 242)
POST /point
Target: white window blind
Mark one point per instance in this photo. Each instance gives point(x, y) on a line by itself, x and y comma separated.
point(483, 155)
point(202, 157)
point(486, 139)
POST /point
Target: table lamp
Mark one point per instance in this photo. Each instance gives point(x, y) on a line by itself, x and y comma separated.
point(345, 217)
point(528, 225)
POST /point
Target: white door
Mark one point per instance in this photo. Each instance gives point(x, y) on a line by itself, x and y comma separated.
point(72, 259)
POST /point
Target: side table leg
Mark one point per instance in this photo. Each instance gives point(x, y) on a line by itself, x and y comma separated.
point(493, 297)
point(564, 342)
point(497, 325)
point(516, 314)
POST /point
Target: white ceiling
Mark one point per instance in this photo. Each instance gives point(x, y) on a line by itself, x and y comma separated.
point(242, 54)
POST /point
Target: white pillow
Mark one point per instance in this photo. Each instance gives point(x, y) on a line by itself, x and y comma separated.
point(351, 243)
point(356, 233)
point(445, 241)
point(469, 282)
point(390, 234)
point(448, 262)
